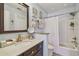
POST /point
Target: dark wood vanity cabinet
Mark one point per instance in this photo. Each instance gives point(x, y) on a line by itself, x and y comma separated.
point(37, 50)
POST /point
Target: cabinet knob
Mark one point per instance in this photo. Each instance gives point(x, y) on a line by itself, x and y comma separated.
point(32, 52)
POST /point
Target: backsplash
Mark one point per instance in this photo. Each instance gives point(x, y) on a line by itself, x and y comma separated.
point(10, 35)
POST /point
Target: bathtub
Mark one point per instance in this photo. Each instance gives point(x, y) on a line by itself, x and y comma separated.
point(65, 51)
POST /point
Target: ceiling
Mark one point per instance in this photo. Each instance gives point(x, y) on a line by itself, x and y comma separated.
point(54, 7)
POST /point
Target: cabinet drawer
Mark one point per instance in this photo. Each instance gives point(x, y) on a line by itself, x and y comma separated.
point(37, 50)
point(31, 51)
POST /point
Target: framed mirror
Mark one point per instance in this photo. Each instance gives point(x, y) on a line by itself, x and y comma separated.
point(16, 17)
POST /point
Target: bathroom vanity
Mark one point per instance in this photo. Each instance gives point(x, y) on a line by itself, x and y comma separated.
point(25, 48)
point(43, 36)
point(14, 17)
point(36, 50)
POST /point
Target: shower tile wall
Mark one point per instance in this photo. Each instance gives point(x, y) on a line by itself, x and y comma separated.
point(77, 27)
point(64, 30)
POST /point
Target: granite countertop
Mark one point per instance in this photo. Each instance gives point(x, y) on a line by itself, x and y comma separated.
point(18, 48)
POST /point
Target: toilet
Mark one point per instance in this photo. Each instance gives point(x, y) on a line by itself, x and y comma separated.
point(50, 50)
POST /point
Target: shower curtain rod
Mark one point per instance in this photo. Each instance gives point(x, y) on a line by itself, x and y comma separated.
point(59, 15)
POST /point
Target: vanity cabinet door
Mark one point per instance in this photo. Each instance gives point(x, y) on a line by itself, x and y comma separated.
point(40, 49)
point(35, 51)
point(31, 52)
point(43, 37)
